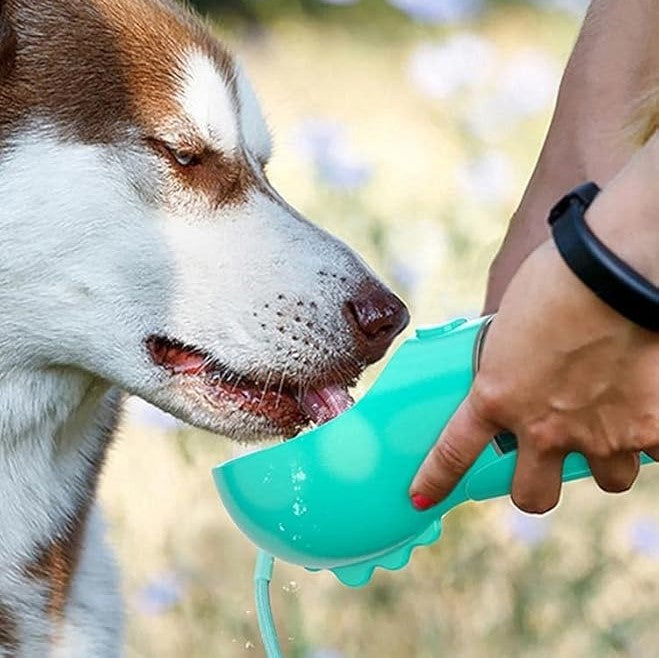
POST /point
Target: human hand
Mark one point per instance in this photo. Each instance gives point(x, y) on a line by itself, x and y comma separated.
point(564, 373)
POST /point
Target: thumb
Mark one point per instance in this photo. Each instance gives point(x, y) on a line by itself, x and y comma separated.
point(462, 440)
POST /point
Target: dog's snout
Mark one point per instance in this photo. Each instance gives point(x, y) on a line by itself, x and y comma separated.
point(377, 317)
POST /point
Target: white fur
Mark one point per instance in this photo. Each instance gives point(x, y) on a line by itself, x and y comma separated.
point(208, 103)
point(253, 126)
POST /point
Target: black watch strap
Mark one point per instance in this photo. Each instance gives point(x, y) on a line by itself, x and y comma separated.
point(607, 275)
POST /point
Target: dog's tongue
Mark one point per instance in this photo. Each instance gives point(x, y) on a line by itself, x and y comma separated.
point(323, 404)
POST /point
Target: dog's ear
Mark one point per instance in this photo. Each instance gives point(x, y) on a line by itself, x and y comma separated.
point(7, 41)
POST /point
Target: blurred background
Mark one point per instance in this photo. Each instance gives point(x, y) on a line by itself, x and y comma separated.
point(409, 129)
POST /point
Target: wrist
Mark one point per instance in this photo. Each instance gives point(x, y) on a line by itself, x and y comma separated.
point(625, 215)
point(567, 299)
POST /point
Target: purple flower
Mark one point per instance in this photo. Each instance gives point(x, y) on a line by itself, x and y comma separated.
point(488, 178)
point(528, 529)
point(644, 536)
point(315, 137)
point(406, 274)
point(489, 118)
point(325, 143)
point(441, 69)
point(161, 594)
point(525, 86)
point(529, 82)
point(439, 11)
point(146, 414)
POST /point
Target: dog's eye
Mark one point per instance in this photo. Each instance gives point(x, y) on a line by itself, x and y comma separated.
point(184, 158)
point(181, 156)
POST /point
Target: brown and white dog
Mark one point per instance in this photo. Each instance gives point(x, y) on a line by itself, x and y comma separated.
point(142, 249)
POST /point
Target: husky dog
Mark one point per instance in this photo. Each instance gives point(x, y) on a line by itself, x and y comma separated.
point(143, 250)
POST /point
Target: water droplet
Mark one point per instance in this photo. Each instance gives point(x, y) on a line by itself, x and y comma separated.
point(299, 475)
point(299, 508)
point(291, 587)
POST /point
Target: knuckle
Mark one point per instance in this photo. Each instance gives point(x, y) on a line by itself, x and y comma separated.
point(600, 449)
point(637, 442)
point(542, 438)
point(648, 429)
point(488, 399)
point(447, 455)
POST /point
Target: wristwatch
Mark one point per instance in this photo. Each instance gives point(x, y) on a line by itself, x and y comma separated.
point(607, 275)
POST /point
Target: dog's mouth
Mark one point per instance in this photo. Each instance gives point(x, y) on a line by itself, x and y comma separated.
point(288, 406)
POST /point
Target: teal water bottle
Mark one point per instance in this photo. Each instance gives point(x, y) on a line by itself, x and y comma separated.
point(336, 497)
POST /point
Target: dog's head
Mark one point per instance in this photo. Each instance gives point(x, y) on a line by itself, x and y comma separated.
point(140, 229)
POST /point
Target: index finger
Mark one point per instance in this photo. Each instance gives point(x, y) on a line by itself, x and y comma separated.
point(461, 441)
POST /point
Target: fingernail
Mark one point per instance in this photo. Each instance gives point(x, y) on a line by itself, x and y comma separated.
point(422, 502)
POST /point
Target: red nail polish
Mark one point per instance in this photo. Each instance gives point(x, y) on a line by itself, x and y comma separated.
point(422, 502)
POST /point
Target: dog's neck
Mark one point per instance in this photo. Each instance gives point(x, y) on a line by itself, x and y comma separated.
point(55, 427)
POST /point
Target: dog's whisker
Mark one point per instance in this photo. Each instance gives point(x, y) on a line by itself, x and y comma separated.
point(265, 389)
point(281, 387)
point(237, 383)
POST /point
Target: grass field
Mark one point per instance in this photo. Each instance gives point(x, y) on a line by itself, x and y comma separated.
point(412, 142)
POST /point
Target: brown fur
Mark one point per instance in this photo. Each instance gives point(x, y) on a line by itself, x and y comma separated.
point(8, 632)
point(57, 562)
point(109, 71)
point(7, 43)
point(98, 69)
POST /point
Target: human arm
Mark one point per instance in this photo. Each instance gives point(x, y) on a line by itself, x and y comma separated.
point(562, 370)
point(604, 105)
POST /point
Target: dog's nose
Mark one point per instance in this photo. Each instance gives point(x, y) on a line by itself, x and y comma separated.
point(377, 317)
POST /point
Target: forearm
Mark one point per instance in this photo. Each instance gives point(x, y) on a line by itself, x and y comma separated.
point(615, 63)
point(625, 216)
